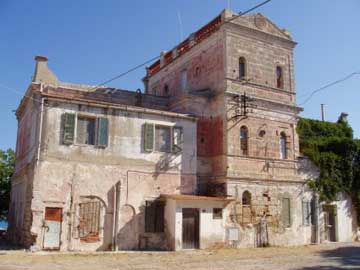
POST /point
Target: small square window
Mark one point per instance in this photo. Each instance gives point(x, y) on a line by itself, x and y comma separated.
point(217, 213)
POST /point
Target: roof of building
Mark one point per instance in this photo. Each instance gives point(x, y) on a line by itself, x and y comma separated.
point(185, 197)
point(252, 21)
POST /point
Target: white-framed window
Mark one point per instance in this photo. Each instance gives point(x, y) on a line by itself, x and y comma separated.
point(84, 129)
point(162, 138)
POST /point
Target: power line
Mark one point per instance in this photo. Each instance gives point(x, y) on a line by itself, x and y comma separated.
point(155, 58)
point(328, 85)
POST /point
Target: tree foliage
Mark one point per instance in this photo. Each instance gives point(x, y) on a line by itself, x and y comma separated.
point(7, 164)
point(333, 149)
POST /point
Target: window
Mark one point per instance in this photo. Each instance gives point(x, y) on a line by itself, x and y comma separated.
point(306, 210)
point(166, 90)
point(285, 213)
point(246, 207)
point(283, 142)
point(242, 68)
point(246, 198)
point(154, 216)
point(244, 140)
point(184, 80)
point(85, 132)
point(89, 130)
point(89, 223)
point(279, 78)
point(217, 213)
point(162, 139)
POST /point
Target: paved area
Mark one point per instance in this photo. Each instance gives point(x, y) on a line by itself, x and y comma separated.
point(322, 257)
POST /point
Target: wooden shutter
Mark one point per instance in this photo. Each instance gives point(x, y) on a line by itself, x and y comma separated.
point(177, 139)
point(102, 132)
point(286, 218)
point(68, 128)
point(148, 137)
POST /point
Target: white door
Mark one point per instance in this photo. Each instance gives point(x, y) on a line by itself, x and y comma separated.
point(52, 228)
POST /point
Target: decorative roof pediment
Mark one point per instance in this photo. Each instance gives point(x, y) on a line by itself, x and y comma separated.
point(262, 23)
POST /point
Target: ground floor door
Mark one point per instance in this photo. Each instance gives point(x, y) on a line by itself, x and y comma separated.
point(329, 223)
point(52, 228)
point(190, 228)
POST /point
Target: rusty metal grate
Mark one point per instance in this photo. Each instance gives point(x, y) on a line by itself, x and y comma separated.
point(89, 225)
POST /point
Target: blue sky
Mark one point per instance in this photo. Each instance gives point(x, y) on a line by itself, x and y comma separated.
point(90, 41)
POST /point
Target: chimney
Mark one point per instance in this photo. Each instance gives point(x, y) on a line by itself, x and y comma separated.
point(343, 117)
point(162, 58)
point(42, 73)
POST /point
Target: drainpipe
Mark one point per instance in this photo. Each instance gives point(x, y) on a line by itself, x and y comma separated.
point(41, 125)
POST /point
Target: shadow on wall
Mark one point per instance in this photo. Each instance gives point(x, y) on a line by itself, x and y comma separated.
point(346, 257)
point(132, 235)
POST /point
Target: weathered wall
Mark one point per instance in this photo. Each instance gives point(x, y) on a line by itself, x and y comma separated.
point(266, 200)
point(68, 173)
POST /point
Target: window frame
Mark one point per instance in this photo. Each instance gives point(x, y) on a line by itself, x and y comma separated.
point(95, 117)
point(244, 151)
point(85, 116)
point(279, 85)
point(306, 212)
point(173, 148)
point(283, 140)
point(184, 80)
point(217, 213)
point(289, 221)
point(242, 61)
point(170, 137)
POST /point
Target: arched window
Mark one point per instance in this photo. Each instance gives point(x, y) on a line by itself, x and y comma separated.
point(279, 78)
point(283, 150)
point(246, 198)
point(166, 90)
point(242, 68)
point(244, 137)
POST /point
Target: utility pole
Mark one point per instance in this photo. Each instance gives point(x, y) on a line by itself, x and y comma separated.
point(322, 112)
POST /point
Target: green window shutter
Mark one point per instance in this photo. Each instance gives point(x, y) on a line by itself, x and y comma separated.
point(102, 132)
point(285, 215)
point(148, 137)
point(68, 120)
point(178, 139)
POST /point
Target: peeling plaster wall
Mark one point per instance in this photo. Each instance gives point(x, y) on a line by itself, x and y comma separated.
point(68, 173)
point(271, 204)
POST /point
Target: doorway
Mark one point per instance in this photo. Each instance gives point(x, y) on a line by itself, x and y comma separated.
point(52, 228)
point(190, 228)
point(330, 223)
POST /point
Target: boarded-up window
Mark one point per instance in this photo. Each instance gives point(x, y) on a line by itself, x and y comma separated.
point(85, 133)
point(246, 207)
point(89, 223)
point(154, 216)
point(68, 122)
point(217, 213)
point(306, 211)
point(286, 212)
point(178, 139)
point(162, 139)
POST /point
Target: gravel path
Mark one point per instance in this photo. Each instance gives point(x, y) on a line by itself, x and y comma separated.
point(322, 257)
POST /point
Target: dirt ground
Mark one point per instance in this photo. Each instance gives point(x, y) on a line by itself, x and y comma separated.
point(323, 257)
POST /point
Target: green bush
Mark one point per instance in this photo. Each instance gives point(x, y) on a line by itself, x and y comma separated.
point(333, 149)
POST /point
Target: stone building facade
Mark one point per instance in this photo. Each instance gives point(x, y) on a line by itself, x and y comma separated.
point(208, 155)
